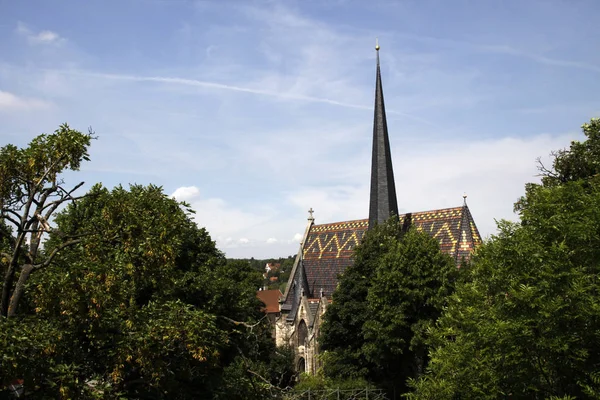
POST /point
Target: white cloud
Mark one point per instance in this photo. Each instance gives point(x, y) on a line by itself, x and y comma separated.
point(492, 173)
point(298, 155)
point(186, 193)
point(530, 53)
point(47, 36)
point(230, 225)
point(9, 101)
point(335, 203)
point(242, 233)
point(254, 89)
point(41, 37)
point(219, 217)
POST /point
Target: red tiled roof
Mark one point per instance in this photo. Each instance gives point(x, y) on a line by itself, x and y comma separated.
point(271, 299)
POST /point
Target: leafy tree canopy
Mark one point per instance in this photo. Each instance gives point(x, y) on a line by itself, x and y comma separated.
point(525, 322)
point(31, 190)
point(142, 306)
point(385, 302)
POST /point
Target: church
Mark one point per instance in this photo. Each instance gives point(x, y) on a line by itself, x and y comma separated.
point(326, 250)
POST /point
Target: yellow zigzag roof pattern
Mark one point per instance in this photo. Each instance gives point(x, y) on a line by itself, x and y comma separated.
point(339, 239)
point(346, 244)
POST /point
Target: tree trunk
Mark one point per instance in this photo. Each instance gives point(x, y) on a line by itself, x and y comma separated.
point(19, 289)
point(8, 280)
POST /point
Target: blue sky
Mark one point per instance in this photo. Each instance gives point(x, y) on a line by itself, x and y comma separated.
point(255, 111)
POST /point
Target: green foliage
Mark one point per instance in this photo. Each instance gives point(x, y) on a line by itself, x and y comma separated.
point(376, 326)
point(342, 337)
point(143, 306)
point(580, 161)
point(525, 322)
point(30, 192)
point(319, 382)
point(40, 162)
point(409, 290)
point(282, 274)
point(265, 380)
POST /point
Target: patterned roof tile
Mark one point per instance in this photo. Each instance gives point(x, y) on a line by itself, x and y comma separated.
point(328, 249)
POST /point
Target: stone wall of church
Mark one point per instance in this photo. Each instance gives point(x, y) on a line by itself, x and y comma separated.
point(302, 335)
point(283, 331)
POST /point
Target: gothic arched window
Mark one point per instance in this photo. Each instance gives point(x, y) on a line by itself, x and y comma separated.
point(302, 333)
point(301, 365)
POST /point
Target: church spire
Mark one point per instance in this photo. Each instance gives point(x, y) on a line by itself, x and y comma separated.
point(383, 202)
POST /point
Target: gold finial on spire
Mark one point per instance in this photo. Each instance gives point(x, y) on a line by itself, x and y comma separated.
point(377, 44)
point(465, 198)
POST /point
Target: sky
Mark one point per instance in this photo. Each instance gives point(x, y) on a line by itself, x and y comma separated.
point(255, 111)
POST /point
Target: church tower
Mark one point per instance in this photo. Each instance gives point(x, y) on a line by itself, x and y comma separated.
point(327, 249)
point(383, 202)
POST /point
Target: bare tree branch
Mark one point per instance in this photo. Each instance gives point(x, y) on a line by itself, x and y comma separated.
point(12, 212)
point(247, 325)
point(54, 204)
point(55, 252)
point(543, 170)
point(262, 378)
point(10, 219)
point(59, 159)
point(43, 222)
point(32, 230)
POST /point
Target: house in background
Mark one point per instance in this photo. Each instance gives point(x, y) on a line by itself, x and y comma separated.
point(271, 299)
point(272, 267)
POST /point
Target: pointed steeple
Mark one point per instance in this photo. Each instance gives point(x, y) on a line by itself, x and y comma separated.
point(383, 202)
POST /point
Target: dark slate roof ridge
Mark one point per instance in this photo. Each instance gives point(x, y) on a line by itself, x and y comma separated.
point(297, 261)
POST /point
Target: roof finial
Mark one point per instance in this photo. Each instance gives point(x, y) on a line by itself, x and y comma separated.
point(465, 198)
point(377, 44)
point(310, 214)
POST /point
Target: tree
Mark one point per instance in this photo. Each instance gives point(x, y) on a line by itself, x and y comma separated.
point(525, 321)
point(406, 297)
point(145, 308)
point(383, 307)
point(342, 337)
point(31, 190)
point(580, 161)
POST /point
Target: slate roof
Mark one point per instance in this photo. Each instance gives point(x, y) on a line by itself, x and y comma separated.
point(313, 305)
point(328, 249)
